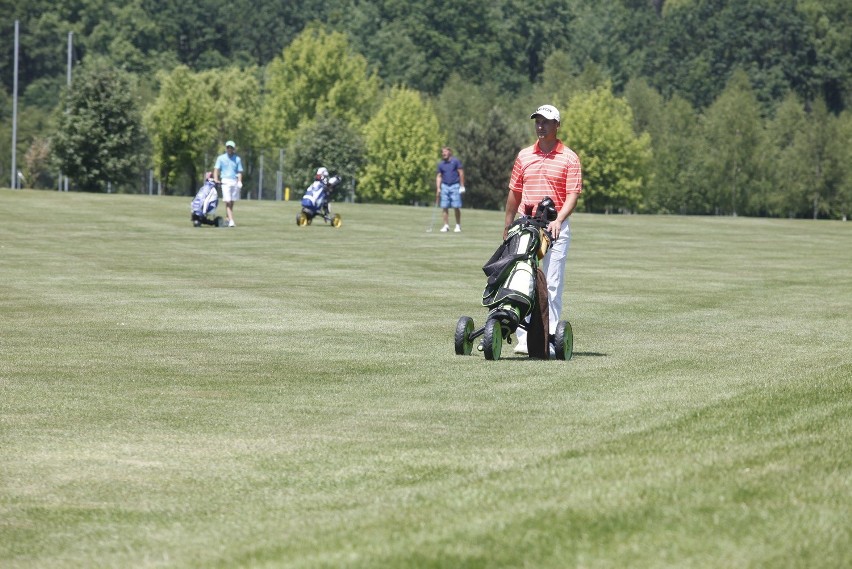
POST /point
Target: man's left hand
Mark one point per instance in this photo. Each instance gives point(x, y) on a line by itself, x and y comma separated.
point(554, 227)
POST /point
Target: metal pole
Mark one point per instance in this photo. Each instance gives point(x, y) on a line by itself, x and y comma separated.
point(279, 177)
point(68, 77)
point(15, 111)
point(260, 180)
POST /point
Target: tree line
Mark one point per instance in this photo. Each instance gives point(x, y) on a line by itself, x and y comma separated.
point(690, 106)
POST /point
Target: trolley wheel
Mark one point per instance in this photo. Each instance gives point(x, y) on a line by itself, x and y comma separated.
point(302, 219)
point(492, 340)
point(564, 340)
point(464, 329)
point(336, 221)
point(219, 221)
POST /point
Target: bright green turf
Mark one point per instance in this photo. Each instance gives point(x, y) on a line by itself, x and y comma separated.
point(289, 397)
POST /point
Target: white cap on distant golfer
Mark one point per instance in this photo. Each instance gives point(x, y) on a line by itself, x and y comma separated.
point(322, 172)
point(231, 143)
point(547, 111)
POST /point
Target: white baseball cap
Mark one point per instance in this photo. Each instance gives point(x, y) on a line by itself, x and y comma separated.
point(231, 143)
point(547, 111)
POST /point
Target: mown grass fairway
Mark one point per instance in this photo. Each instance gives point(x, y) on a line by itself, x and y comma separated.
point(275, 396)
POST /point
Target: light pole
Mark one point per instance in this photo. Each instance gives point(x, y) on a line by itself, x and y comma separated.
point(15, 111)
point(68, 79)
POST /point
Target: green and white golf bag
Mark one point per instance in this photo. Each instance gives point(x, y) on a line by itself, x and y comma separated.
point(513, 269)
point(510, 292)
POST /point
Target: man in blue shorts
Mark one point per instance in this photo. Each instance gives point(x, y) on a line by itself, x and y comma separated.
point(449, 186)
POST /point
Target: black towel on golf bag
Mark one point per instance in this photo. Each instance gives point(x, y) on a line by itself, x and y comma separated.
point(538, 330)
point(516, 253)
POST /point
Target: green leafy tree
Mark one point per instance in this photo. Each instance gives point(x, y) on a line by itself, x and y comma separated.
point(829, 64)
point(700, 44)
point(672, 127)
point(394, 43)
point(402, 141)
point(560, 78)
point(528, 36)
point(675, 187)
point(599, 128)
point(124, 33)
point(789, 196)
point(316, 73)
point(594, 25)
point(487, 147)
point(734, 154)
point(417, 43)
point(5, 138)
point(648, 107)
point(235, 98)
point(843, 204)
point(260, 29)
point(826, 158)
point(326, 141)
point(42, 48)
point(181, 126)
point(98, 137)
point(461, 102)
point(811, 159)
point(193, 30)
point(37, 165)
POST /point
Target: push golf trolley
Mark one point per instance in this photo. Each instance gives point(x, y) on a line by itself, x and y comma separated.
point(516, 294)
point(316, 202)
point(203, 206)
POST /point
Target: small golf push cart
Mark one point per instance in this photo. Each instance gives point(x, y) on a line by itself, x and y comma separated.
point(317, 201)
point(204, 204)
point(516, 295)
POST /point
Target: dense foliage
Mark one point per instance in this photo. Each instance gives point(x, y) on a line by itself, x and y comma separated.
point(98, 140)
point(736, 106)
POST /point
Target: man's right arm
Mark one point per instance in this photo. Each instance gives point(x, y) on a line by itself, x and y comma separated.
point(512, 203)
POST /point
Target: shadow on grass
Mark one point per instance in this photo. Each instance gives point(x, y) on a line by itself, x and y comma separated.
point(521, 357)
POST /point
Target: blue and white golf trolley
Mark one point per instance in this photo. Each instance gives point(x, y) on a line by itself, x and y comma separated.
point(317, 201)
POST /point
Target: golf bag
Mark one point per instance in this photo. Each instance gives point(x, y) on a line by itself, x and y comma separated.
point(204, 205)
point(316, 197)
point(516, 291)
point(516, 294)
point(316, 201)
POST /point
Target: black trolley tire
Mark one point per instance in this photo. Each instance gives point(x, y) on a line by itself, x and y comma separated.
point(464, 328)
point(492, 340)
point(564, 340)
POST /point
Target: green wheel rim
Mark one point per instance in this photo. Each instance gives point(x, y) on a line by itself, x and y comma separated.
point(493, 339)
point(564, 341)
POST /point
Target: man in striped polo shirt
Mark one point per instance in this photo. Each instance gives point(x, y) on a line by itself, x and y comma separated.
point(547, 168)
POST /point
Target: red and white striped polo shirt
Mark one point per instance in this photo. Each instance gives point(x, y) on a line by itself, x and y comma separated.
point(537, 174)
